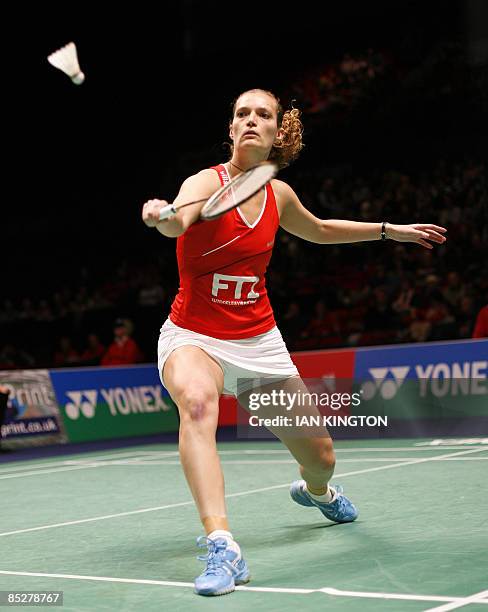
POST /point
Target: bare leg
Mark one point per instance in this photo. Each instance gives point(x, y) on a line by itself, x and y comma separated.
point(316, 459)
point(195, 382)
point(311, 447)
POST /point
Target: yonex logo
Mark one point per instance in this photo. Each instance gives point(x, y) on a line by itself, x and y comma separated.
point(386, 382)
point(439, 379)
point(119, 401)
point(81, 401)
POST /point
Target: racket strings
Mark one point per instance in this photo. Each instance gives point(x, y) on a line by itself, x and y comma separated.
point(237, 191)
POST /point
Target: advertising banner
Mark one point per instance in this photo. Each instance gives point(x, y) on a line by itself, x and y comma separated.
point(324, 371)
point(32, 417)
point(420, 389)
point(403, 390)
point(329, 365)
point(430, 386)
point(104, 403)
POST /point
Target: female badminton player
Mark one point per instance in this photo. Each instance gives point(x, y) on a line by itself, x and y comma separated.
point(221, 326)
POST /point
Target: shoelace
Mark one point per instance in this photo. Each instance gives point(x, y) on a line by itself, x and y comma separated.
point(341, 503)
point(341, 507)
point(214, 556)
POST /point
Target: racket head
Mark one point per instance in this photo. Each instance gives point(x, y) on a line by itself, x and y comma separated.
point(238, 190)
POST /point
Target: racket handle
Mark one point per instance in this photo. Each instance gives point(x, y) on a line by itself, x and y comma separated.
point(167, 211)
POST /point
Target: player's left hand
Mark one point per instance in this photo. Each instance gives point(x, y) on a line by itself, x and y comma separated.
point(420, 233)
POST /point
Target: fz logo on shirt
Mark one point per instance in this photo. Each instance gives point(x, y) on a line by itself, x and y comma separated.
point(220, 281)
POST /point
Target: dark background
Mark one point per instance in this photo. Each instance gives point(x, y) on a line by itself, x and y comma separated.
point(156, 101)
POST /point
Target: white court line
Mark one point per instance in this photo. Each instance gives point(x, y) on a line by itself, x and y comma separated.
point(61, 469)
point(84, 465)
point(476, 598)
point(465, 459)
point(131, 512)
point(230, 495)
point(147, 455)
point(105, 579)
point(65, 466)
point(154, 452)
point(390, 449)
point(409, 448)
point(10, 468)
point(94, 462)
point(443, 442)
point(338, 449)
point(100, 459)
point(136, 457)
point(295, 591)
point(142, 463)
point(157, 462)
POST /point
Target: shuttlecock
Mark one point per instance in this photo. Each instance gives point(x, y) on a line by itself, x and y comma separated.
point(66, 59)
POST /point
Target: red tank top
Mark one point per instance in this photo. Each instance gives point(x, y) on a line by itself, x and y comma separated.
point(222, 266)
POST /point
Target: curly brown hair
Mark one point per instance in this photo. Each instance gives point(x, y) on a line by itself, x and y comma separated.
point(288, 148)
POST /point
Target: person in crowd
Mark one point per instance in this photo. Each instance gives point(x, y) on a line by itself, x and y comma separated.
point(124, 350)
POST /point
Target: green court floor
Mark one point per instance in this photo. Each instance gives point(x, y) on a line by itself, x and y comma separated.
point(116, 530)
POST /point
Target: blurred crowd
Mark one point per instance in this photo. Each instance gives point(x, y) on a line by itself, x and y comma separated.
point(342, 84)
point(323, 296)
point(375, 293)
point(111, 322)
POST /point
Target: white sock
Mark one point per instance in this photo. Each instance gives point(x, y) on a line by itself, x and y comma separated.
point(328, 497)
point(231, 544)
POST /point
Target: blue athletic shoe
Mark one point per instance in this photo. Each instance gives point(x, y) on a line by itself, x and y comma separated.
point(341, 510)
point(224, 569)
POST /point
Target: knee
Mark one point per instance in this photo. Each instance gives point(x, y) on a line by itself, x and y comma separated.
point(327, 459)
point(197, 405)
point(324, 458)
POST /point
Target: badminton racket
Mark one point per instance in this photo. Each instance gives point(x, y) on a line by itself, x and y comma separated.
point(235, 192)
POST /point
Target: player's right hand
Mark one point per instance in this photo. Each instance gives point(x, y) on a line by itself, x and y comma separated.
point(150, 212)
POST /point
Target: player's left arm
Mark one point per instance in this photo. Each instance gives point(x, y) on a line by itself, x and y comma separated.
point(299, 221)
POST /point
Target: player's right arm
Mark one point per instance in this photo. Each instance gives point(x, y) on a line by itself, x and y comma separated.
point(197, 187)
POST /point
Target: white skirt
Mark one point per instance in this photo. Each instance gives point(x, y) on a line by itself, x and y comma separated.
point(263, 356)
